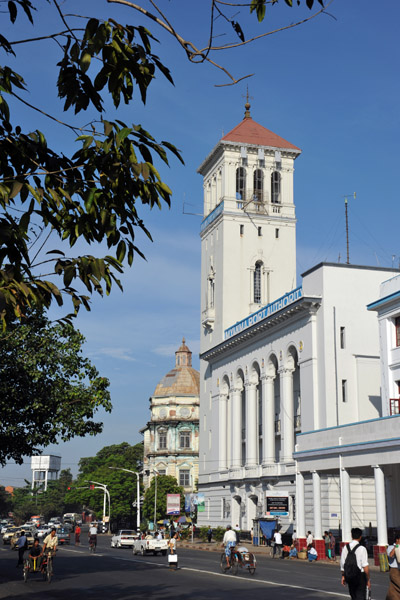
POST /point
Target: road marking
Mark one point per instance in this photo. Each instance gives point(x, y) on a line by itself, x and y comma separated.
point(259, 581)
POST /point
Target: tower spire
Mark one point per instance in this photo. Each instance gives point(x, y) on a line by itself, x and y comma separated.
point(247, 105)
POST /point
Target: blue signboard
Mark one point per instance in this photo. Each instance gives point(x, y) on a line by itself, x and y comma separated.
point(264, 312)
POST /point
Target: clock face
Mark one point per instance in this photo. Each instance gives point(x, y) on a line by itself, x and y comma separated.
point(163, 413)
point(184, 412)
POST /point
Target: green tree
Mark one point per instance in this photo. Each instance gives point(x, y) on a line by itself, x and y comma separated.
point(120, 484)
point(166, 484)
point(95, 193)
point(48, 390)
point(24, 504)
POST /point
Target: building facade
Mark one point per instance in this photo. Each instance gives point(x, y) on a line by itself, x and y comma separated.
point(171, 437)
point(277, 360)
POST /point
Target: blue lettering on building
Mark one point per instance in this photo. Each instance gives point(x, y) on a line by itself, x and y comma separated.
point(264, 312)
point(213, 215)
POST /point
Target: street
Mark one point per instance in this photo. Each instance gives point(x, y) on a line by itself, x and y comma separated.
point(116, 574)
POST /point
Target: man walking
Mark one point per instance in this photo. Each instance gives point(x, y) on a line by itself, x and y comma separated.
point(21, 545)
point(354, 566)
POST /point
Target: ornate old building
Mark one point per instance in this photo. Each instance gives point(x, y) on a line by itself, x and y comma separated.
point(171, 437)
point(290, 371)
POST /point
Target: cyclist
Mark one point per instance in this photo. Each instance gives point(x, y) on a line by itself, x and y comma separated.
point(93, 536)
point(229, 542)
point(50, 543)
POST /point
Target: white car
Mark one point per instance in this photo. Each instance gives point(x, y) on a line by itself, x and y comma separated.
point(42, 531)
point(124, 537)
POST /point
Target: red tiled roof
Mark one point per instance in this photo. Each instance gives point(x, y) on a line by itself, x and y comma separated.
point(250, 132)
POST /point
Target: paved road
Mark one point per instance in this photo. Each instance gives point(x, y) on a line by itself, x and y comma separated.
point(116, 574)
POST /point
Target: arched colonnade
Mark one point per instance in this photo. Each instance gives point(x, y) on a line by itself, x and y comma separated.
point(259, 412)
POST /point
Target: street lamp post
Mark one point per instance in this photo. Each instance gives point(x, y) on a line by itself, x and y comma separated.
point(102, 486)
point(137, 492)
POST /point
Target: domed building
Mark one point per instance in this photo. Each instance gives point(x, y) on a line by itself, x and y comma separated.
point(171, 437)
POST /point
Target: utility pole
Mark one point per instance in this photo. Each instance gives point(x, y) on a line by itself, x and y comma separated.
point(347, 224)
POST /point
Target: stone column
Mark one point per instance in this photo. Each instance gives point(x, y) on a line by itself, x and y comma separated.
point(287, 410)
point(380, 500)
point(268, 408)
point(300, 507)
point(316, 479)
point(346, 505)
point(222, 411)
point(251, 425)
point(236, 428)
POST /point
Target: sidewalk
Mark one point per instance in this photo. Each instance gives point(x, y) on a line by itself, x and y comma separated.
point(257, 550)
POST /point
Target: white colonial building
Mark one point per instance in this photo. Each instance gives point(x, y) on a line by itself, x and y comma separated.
point(278, 361)
point(171, 437)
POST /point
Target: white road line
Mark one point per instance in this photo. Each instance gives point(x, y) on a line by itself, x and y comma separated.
point(259, 581)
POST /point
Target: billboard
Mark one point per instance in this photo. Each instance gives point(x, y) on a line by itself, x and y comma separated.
point(194, 500)
point(277, 504)
point(173, 504)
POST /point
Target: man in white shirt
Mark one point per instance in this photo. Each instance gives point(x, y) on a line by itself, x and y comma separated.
point(93, 535)
point(358, 586)
point(310, 538)
point(278, 544)
point(229, 542)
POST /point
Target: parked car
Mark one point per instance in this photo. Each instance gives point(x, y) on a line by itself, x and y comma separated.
point(63, 535)
point(17, 534)
point(124, 537)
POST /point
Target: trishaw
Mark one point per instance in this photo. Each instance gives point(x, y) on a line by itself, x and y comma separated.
point(45, 568)
point(240, 557)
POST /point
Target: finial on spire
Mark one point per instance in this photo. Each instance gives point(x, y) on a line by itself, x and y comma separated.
point(247, 105)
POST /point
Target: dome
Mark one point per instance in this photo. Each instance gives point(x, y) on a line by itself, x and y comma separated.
point(183, 380)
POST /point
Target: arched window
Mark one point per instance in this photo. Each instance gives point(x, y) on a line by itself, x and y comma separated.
point(240, 183)
point(275, 187)
point(258, 185)
point(162, 439)
point(257, 282)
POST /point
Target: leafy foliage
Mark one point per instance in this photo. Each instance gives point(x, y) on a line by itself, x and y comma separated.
point(47, 389)
point(122, 485)
point(92, 195)
point(166, 484)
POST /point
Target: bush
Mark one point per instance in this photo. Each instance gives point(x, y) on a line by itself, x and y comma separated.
point(203, 533)
point(218, 533)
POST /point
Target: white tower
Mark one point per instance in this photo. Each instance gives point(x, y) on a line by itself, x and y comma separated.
point(248, 234)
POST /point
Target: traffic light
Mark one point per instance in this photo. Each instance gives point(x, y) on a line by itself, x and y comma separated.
point(69, 488)
point(91, 487)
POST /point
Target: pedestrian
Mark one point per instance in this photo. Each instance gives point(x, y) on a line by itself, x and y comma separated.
point(77, 535)
point(209, 534)
point(312, 554)
point(172, 551)
point(394, 572)
point(21, 545)
point(310, 538)
point(355, 567)
point(332, 545)
point(294, 537)
point(278, 544)
point(327, 541)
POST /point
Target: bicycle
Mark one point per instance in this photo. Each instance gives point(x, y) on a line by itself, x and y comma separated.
point(46, 568)
point(92, 543)
point(244, 560)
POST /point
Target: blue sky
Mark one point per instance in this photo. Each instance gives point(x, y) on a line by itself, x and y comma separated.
point(330, 86)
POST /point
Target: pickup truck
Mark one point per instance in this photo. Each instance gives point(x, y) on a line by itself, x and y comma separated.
point(150, 545)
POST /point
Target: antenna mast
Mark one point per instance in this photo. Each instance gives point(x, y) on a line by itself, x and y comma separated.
point(347, 224)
